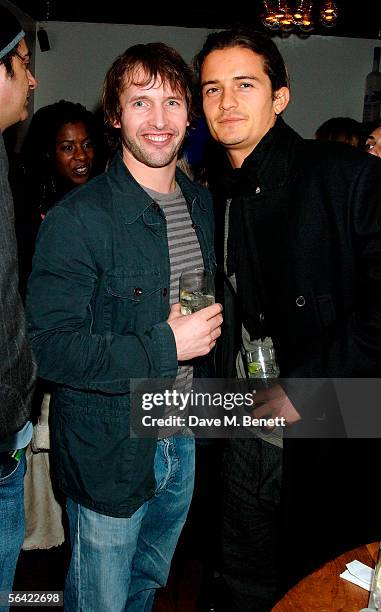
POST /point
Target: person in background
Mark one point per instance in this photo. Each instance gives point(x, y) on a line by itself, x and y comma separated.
point(17, 368)
point(299, 246)
point(105, 274)
point(62, 150)
point(341, 129)
point(373, 140)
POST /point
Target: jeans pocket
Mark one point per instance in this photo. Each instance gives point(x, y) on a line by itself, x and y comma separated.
point(8, 467)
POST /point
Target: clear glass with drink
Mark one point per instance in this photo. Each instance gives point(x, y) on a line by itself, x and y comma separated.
point(196, 290)
point(261, 362)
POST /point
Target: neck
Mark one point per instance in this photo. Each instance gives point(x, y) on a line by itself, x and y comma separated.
point(158, 179)
point(238, 156)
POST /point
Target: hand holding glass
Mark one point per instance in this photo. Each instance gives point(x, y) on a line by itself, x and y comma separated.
point(196, 290)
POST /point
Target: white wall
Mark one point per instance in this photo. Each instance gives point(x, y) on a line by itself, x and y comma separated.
point(327, 73)
point(327, 78)
point(81, 54)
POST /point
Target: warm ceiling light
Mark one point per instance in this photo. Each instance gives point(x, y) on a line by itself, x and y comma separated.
point(280, 15)
point(328, 14)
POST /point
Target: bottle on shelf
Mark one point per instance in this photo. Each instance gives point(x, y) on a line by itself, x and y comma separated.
point(372, 99)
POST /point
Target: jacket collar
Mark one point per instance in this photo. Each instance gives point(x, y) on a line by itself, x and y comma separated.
point(276, 156)
point(272, 163)
point(130, 197)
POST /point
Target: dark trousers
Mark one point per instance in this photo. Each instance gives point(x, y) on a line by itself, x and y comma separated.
point(251, 523)
point(286, 513)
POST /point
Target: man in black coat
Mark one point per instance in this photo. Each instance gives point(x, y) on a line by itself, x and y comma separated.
point(300, 249)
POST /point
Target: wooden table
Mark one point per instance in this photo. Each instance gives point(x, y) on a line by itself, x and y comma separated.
point(325, 591)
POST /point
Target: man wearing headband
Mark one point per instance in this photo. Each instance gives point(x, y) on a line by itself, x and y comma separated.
point(17, 369)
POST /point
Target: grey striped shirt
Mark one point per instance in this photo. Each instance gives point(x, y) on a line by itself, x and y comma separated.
point(184, 255)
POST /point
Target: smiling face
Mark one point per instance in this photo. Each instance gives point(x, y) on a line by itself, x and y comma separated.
point(15, 91)
point(153, 124)
point(74, 153)
point(373, 142)
point(239, 104)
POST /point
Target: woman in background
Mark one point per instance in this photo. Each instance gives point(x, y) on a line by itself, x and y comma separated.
point(61, 151)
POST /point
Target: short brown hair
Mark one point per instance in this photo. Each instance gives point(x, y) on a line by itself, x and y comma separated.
point(157, 61)
point(257, 42)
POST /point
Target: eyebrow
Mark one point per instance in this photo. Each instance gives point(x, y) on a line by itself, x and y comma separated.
point(71, 140)
point(144, 96)
point(249, 77)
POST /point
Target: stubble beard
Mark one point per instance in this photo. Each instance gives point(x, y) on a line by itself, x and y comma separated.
point(154, 159)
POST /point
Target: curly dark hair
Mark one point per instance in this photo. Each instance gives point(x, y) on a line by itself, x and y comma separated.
point(38, 150)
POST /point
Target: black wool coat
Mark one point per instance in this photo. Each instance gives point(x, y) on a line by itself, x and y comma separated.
point(305, 246)
point(307, 254)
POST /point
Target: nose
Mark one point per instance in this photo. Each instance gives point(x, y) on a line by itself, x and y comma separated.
point(158, 117)
point(227, 100)
point(32, 80)
point(80, 153)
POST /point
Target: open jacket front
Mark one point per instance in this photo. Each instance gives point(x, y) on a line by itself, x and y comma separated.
point(98, 301)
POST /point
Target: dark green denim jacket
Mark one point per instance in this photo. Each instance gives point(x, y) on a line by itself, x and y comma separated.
point(98, 300)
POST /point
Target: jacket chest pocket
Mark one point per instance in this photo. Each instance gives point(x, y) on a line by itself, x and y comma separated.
point(134, 299)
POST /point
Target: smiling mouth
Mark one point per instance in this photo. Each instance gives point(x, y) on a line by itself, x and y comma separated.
point(81, 170)
point(158, 138)
point(230, 120)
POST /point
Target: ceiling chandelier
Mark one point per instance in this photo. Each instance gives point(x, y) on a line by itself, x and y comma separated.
point(298, 16)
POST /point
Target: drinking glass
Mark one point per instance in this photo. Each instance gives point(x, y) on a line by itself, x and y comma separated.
point(261, 362)
point(196, 290)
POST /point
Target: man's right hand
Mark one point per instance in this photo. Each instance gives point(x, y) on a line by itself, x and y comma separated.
point(195, 334)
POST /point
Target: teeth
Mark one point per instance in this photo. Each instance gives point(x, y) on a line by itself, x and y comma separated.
point(81, 170)
point(158, 138)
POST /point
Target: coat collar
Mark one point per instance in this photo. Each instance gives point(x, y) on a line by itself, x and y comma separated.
point(130, 197)
point(272, 164)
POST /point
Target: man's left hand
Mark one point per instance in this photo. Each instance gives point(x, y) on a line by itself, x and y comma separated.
point(273, 403)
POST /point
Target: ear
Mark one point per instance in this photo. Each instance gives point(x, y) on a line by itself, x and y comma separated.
point(116, 123)
point(281, 99)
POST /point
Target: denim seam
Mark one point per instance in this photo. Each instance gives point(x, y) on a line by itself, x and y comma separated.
point(175, 459)
point(78, 568)
point(165, 446)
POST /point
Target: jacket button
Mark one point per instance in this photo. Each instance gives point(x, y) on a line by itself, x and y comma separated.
point(300, 301)
point(165, 291)
point(155, 206)
point(138, 291)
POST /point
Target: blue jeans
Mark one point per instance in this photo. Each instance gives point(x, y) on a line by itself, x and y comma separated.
point(118, 563)
point(12, 519)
